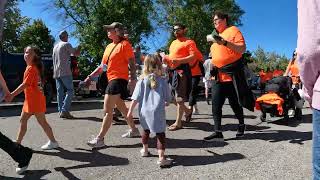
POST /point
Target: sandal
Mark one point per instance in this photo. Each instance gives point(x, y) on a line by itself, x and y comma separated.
point(174, 127)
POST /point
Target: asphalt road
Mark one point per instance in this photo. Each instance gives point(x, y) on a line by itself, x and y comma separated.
point(269, 150)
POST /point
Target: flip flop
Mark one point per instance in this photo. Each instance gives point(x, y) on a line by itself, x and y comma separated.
point(174, 128)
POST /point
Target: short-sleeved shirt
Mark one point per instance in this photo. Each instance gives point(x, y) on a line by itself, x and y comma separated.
point(61, 59)
point(277, 73)
point(294, 71)
point(194, 64)
point(117, 66)
point(152, 103)
point(222, 55)
point(265, 76)
point(35, 101)
point(181, 48)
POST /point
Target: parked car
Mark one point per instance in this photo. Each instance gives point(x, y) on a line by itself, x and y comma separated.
point(12, 66)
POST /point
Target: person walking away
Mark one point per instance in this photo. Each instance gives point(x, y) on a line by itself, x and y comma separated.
point(117, 56)
point(35, 102)
point(63, 75)
point(309, 65)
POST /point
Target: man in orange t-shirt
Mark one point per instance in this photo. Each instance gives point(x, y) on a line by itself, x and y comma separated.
point(181, 52)
point(227, 48)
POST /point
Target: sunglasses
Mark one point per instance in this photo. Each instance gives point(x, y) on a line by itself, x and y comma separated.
point(176, 29)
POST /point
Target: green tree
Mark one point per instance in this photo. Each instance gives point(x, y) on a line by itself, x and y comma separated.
point(267, 61)
point(13, 25)
point(88, 17)
point(37, 33)
point(197, 16)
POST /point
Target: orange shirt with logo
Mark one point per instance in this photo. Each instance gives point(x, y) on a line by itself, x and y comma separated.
point(119, 60)
point(194, 64)
point(181, 48)
point(222, 55)
point(35, 101)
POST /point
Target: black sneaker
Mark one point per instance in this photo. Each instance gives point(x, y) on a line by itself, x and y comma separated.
point(216, 136)
point(27, 155)
point(241, 129)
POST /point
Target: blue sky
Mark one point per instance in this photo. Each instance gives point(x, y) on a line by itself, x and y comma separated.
point(270, 24)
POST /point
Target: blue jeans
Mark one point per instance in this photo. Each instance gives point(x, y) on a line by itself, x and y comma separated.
point(64, 93)
point(316, 144)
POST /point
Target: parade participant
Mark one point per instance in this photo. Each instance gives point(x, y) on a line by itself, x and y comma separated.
point(182, 51)
point(152, 93)
point(35, 102)
point(118, 55)
point(228, 48)
point(17, 152)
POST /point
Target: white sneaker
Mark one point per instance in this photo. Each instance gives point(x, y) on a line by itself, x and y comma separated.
point(165, 162)
point(21, 170)
point(96, 142)
point(144, 153)
point(50, 145)
point(132, 133)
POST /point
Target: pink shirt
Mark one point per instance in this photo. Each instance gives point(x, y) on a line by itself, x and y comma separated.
point(309, 48)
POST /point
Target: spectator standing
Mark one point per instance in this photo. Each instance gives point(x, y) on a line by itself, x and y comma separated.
point(63, 75)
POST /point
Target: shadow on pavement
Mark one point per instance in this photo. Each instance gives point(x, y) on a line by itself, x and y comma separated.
point(177, 143)
point(234, 117)
point(205, 160)
point(294, 137)
point(292, 122)
point(29, 174)
point(92, 158)
point(78, 106)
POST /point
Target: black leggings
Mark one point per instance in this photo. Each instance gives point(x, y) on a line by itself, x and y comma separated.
point(161, 139)
point(194, 90)
point(221, 91)
point(16, 151)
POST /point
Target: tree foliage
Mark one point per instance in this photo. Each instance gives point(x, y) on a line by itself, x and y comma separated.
point(197, 16)
point(38, 34)
point(14, 22)
point(267, 61)
point(88, 18)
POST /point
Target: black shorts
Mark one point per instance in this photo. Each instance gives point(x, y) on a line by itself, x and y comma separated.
point(118, 86)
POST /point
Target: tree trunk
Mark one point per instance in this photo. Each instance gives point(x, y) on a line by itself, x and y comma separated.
point(2, 6)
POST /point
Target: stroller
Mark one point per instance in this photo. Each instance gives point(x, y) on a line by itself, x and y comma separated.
point(287, 97)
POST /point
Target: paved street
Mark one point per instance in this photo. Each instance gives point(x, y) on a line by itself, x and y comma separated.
point(269, 150)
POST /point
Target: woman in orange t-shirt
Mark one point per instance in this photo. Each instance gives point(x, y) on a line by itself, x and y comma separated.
point(35, 102)
point(293, 70)
point(117, 56)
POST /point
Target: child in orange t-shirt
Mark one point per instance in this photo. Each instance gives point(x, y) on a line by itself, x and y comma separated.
point(35, 103)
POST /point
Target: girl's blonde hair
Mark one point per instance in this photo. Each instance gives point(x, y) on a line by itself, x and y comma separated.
point(152, 64)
